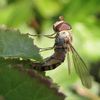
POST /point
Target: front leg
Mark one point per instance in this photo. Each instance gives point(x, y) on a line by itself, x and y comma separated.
point(51, 36)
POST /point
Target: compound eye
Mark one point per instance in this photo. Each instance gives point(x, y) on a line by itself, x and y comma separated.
point(68, 27)
point(61, 27)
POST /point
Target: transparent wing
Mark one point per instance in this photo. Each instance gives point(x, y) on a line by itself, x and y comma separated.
point(69, 62)
point(81, 68)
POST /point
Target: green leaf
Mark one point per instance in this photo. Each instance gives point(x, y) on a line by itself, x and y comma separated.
point(15, 44)
point(25, 85)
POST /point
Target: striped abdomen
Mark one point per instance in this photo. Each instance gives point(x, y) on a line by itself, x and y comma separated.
point(51, 62)
point(56, 59)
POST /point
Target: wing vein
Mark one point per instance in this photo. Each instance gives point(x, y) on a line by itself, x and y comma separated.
point(81, 68)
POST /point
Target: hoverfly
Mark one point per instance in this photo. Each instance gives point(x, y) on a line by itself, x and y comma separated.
point(63, 45)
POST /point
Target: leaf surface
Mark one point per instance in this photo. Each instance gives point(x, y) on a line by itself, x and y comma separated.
point(25, 84)
point(15, 44)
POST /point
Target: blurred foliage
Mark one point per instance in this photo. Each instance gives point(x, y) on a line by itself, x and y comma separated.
point(38, 16)
point(25, 84)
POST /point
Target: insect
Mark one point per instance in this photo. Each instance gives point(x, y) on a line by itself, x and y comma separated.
point(62, 47)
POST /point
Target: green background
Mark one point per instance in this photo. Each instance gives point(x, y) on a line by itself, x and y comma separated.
point(38, 16)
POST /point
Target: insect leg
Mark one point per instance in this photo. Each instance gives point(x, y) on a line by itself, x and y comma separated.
point(45, 49)
point(50, 36)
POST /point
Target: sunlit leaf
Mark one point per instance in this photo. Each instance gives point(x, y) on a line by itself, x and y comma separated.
point(15, 44)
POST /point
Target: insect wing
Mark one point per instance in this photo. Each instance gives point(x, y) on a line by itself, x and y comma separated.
point(69, 62)
point(81, 68)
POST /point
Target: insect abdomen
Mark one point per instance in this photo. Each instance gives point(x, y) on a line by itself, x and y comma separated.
point(50, 63)
point(55, 60)
point(40, 67)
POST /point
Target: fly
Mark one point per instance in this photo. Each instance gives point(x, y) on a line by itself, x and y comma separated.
point(62, 47)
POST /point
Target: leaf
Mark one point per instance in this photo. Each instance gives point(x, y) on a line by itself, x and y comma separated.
point(25, 85)
point(15, 44)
